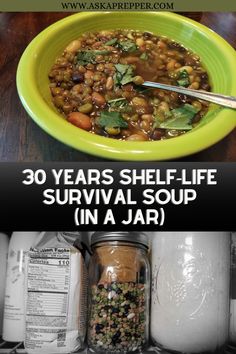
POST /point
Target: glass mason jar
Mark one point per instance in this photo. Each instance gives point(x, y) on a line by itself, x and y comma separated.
point(119, 287)
point(190, 291)
point(232, 329)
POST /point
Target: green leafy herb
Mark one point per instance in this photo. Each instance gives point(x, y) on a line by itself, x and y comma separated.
point(120, 104)
point(183, 78)
point(124, 74)
point(85, 57)
point(116, 100)
point(181, 118)
point(127, 46)
point(144, 56)
point(111, 120)
point(112, 41)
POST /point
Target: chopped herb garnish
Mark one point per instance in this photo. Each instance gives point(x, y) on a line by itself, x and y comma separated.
point(85, 57)
point(127, 46)
point(112, 41)
point(116, 100)
point(120, 104)
point(112, 120)
point(144, 56)
point(181, 118)
point(183, 78)
point(124, 74)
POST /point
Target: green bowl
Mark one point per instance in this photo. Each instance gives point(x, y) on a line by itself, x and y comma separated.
point(216, 54)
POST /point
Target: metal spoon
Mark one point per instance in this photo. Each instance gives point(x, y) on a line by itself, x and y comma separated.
point(223, 100)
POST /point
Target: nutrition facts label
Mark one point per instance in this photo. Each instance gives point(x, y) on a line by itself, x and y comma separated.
point(48, 283)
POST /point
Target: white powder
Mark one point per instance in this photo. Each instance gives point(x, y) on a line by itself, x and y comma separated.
point(190, 293)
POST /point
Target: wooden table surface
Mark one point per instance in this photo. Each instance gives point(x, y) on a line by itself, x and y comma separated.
point(22, 140)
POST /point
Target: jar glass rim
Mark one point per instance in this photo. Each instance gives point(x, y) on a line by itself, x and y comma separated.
point(136, 238)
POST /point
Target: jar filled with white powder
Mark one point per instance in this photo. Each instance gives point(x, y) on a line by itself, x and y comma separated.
point(190, 291)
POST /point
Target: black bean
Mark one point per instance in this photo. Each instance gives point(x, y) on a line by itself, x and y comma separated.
point(99, 327)
point(147, 35)
point(127, 307)
point(77, 78)
point(177, 46)
point(116, 335)
point(115, 310)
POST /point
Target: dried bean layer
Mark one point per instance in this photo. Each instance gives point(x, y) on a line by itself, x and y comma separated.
point(117, 321)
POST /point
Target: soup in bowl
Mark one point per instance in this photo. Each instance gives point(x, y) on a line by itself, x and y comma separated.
point(90, 96)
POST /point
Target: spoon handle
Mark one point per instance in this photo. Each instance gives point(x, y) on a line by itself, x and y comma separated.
point(226, 101)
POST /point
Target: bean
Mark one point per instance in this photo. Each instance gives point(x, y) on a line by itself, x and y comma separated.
point(171, 65)
point(59, 101)
point(139, 42)
point(177, 65)
point(100, 67)
point(139, 101)
point(130, 36)
point(133, 118)
point(98, 99)
point(137, 137)
point(191, 78)
point(88, 82)
point(112, 131)
point(89, 74)
point(82, 69)
point(90, 66)
point(99, 58)
point(109, 83)
point(126, 132)
point(187, 68)
point(197, 105)
point(67, 108)
point(97, 76)
point(147, 117)
point(76, 89)
point(157, 134)
point(138, 80)
point(80, 120)
point(86, 108)
point(195, 85)
point(145, 125)
point(106, 33)
point(163, 57)
point(56, 91)
point(74, 46)
point(77, 78)
point(131, 60)
point(163, 106)
point(161, 45)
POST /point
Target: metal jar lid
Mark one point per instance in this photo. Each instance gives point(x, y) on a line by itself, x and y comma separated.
point(131, 237)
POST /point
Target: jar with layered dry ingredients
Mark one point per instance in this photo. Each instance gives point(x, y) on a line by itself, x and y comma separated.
point(190, 291)
point(119, 286)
